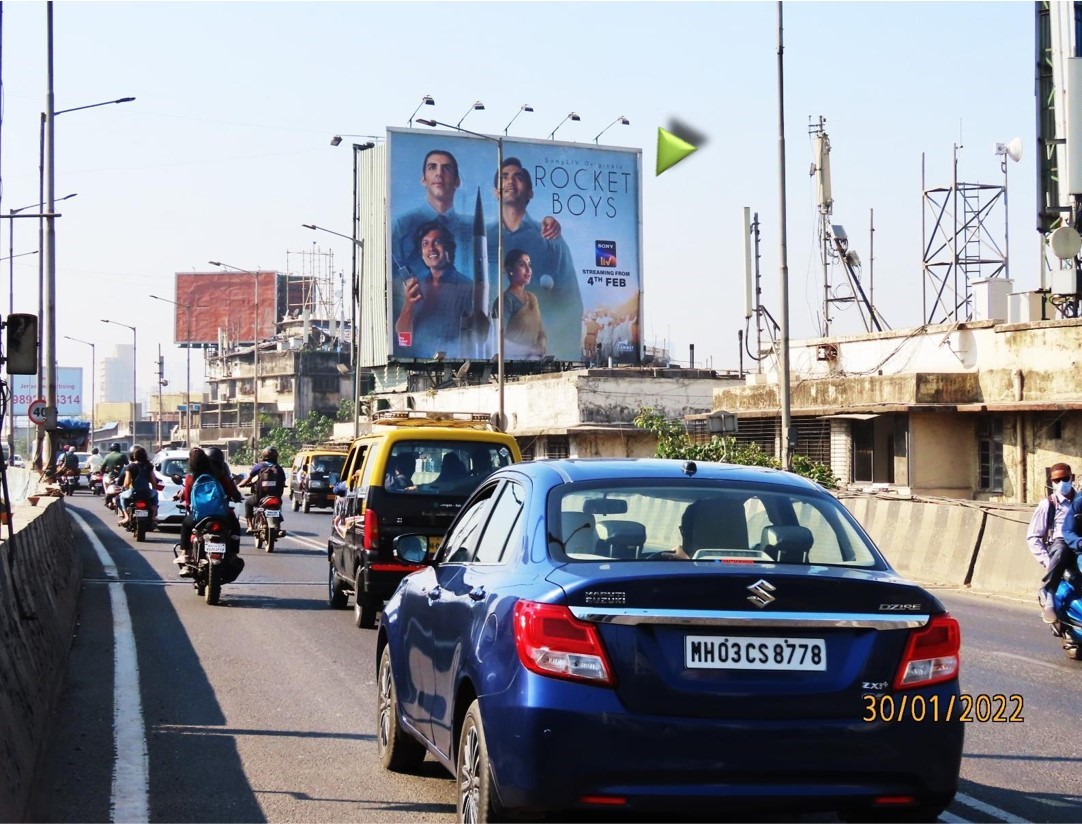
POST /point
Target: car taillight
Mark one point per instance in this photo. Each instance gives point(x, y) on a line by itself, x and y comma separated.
point(371, 529)
point(551, 641)
point(931, 654)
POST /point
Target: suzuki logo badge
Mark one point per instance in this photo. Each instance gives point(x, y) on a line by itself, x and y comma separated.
point(760, 593)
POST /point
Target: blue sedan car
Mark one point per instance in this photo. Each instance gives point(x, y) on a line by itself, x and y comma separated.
point(640, 636)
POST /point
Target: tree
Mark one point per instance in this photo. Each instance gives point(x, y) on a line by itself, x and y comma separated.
point(314, 429)
point(673, 441)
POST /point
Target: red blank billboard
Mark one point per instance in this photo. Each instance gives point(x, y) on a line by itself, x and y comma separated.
point(226, 301)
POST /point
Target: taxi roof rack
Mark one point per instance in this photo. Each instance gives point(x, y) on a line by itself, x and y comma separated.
point(426, 417)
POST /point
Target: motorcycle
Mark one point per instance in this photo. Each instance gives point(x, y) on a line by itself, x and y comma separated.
point(267, 521)
point(140, 515)
point(215, 557)
point(97, 483)
point(68, 483)
point(1068, 603)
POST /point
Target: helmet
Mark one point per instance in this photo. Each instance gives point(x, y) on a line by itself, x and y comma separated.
point(270, 454)
point(216, 456)
point(115, 447)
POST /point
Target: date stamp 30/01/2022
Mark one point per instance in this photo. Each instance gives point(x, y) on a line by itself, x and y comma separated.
point(965, 707)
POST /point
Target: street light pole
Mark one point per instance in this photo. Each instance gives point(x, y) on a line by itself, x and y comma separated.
point(499, 262)
point(134, 372)
point(187, 307)
point(255, 350)
point(93, 384)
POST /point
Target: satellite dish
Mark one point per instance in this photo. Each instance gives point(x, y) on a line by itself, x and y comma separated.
point(1065, 242)
point(460, 373)
point(1014, 149)
point(342, 369)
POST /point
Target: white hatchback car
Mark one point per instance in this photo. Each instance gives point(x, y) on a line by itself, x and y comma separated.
point(171, 466)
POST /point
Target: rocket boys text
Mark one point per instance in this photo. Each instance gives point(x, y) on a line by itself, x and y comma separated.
point(594, 183)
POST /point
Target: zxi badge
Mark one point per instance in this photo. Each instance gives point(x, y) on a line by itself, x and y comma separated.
point(760, 593)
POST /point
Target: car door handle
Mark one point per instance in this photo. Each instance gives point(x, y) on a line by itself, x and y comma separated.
point(433, 594)
point(477, 594)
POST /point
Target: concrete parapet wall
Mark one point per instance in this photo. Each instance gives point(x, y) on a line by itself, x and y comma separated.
point(21, 483)
point(40, 576)
point(957, 543)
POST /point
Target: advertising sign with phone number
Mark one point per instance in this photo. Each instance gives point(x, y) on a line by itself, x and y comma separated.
point(69, 391)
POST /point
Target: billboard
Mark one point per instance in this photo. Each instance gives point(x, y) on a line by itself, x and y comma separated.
point(571, 273)
point(226, 301)
point(69, 392)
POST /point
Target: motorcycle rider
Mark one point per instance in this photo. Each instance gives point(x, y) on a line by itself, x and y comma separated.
point(114, 460)
point(139, 476)
point(95, 461)
point(269, 460)
point(1051, 535)
point(202, 463)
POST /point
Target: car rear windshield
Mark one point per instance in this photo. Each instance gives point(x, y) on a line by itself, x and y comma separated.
point(630, 521)
point(328, 464)
point(442, 467)
point(175, 466)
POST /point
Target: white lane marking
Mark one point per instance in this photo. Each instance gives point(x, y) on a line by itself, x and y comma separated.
point(129, 801)
point(1027, 660)
point(950, 818)
point(988, 809)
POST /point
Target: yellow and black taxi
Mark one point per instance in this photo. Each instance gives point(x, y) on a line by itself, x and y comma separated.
point(410, 474)
point(313, 475)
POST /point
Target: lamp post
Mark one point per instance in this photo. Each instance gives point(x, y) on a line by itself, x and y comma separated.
point(93, 385)
point(499, 260)
point(570, 116)
point(48, 180)
point(425, 101)
point(134, 342)
point(525, 107)
point(358, 243)
point(187, 307)
point(623, 121)
point(255, 350)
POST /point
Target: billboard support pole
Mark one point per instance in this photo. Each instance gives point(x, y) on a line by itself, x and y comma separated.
point(783, 355)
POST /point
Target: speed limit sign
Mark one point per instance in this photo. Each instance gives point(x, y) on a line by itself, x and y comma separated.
point(36, 411)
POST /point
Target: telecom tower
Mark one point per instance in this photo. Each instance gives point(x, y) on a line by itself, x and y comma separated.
point(834, 243)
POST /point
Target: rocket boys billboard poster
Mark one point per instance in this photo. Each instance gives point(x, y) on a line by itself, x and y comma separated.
point(571, 272)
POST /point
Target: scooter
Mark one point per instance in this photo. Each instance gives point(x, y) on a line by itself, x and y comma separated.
point(97, 483)
point(112, 489)
point(1068, 603)
point(215, 557)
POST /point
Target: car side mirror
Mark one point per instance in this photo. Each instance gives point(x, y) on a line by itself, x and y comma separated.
point(413, 549)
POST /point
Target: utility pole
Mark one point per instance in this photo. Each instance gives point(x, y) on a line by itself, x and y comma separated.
point(161, 383)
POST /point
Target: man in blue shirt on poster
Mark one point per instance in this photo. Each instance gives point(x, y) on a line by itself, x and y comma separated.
point(556, 283)
point(439, 176)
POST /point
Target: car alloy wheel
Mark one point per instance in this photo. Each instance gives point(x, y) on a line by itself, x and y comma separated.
point(477, 802)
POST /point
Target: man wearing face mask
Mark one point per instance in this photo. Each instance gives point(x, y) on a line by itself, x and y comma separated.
point(1052, 534)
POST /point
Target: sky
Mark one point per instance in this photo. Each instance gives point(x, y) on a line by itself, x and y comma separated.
point(226, 150)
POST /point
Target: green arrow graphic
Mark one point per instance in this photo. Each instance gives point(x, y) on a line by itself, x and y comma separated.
point(670, 150)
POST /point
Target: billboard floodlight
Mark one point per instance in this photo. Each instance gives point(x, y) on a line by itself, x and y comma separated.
point(623, 121)
point(525, 107)
point(477, 106)
point(570, 116)
point(425, 101)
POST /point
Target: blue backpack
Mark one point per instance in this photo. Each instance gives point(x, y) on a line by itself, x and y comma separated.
point(208, 498)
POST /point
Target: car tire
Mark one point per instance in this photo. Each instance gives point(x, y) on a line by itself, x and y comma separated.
point(307, 504)
point(364, 609)
point(476, 800)
point(293, 499)
point(336, 597)
point(398, 750)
